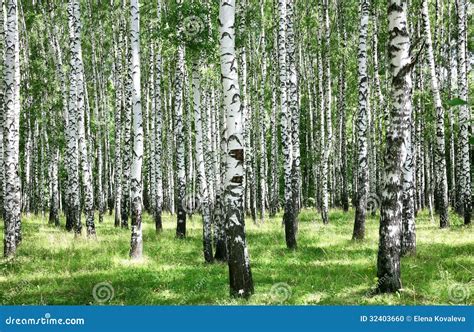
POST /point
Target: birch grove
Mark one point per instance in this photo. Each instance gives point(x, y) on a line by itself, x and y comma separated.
point(173, 116)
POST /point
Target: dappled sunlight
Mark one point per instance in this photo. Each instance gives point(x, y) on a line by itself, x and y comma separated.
point(54, 267)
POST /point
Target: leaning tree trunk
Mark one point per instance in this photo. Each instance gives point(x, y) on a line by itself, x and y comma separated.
point(11, 132)
point(464, 115)
point(440, 156)
point(72, 157)
point(289, 216)
point(240, 275)
point(388, 262)
point(136, 243)
point(361, 123)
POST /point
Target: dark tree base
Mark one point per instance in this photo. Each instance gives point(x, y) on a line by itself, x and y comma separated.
point(124, 216)
point(359, 226)
point(181, 224)
point(467, 214)
point(221, 251)
point(289, 220)
point(240, 277)
point(324, 217)
point(389, 285)
point(54, 217)
point(69, 222)
point(75, 221)
point(117, 220)
point(208, 257)
point(158, 222)
point(90, 224)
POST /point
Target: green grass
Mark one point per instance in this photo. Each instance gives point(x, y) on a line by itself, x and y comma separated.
point(52, 267)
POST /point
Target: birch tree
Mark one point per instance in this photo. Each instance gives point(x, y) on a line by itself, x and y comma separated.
point(388, 260)
point(362, 123)
point(441, 175)
point(136, 243)
point(240, 276)
point(465, 117)
point(81, 134)
point(180, 143)
point(289, 217)
point(2, 104)
point(11, 132)
point(201, 174)
point(72, 155)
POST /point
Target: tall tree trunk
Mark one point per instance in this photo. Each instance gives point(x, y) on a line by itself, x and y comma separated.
point(441, 174)
point(388, 261)
point(158, 146)
point(180, 145)
point(127, 133)
point(2, 105)
point(72, 156)
point(136, 243)
point(326, 69)
point(118, 126)
point(274, 184)
point(201, 174)
point(289, 217)
point(293, 107)
point(263, 119)
point(81, 123)
point(240, 275)
point(464, 114)
point(342, 110)
point(11, 132)
point(362, 123)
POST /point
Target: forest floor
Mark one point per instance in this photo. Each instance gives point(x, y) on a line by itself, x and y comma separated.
point(328, 268)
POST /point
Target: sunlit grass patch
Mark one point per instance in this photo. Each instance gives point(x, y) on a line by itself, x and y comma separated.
point(54, 267)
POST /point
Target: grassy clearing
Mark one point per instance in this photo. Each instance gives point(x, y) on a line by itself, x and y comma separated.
point(328, 268)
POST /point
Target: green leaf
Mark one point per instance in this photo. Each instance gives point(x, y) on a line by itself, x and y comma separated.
point(456, 102)
point(471, 140)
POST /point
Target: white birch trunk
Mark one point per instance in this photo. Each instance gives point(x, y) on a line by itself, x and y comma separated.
point(441, 174)
point(241, 283)
point(11, 132)
point(136, 243)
